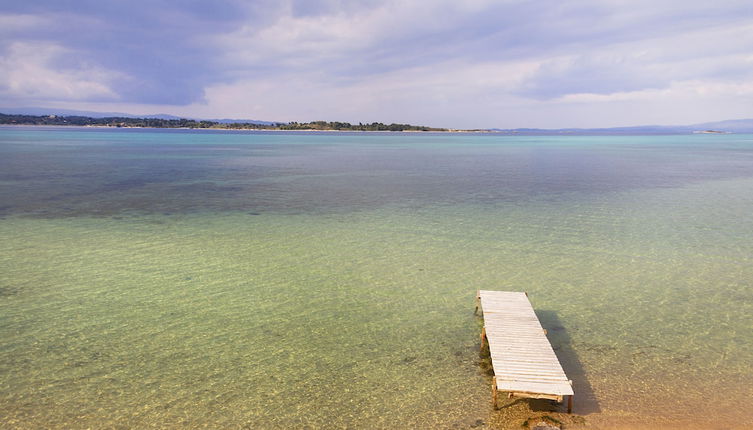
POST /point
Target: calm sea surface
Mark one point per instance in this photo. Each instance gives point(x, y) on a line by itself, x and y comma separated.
point(173, 278)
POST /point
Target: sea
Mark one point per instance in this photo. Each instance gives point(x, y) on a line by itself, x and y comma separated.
point(156, 278)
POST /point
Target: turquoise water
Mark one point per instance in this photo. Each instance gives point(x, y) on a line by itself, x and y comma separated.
point(267, 280)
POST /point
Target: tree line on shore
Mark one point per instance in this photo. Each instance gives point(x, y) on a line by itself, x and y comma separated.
point(55, 120)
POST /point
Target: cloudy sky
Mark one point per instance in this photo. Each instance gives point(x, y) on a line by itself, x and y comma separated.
point(457, 63)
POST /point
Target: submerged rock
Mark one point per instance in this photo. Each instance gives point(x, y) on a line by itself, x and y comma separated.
point(541, 425)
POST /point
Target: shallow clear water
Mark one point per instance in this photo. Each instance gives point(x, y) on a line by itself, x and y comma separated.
point(271, 280)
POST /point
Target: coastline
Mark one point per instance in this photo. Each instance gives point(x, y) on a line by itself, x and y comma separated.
point(307, 130)
point(511, 133)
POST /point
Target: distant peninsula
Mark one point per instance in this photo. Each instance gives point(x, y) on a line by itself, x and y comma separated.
point(84, 121)
point(45, 117)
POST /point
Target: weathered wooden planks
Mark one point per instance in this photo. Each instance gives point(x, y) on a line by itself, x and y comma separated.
point(524, 362)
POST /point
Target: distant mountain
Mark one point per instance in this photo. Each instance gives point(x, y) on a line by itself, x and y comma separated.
point(73, 112)
point(730, 126)
point(649, 129)
point(91, 114)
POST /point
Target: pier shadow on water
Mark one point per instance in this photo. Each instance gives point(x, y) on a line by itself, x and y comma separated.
point(584, 401)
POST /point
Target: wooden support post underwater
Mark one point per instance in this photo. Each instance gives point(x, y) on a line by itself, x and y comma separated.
point(483, 339)
point(569, 404)
point(494, 392)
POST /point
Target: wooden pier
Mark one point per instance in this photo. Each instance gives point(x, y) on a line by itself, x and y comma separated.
point(523, 359)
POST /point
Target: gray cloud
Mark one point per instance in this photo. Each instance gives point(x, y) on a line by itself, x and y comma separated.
point(156, 47)
point(400, 57)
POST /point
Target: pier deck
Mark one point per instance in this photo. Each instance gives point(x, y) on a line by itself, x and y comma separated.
point(523, 359)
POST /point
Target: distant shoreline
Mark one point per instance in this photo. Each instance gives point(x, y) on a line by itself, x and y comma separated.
point(183, 123)
point(276, 130)
point(345, 127)
point(510, 133)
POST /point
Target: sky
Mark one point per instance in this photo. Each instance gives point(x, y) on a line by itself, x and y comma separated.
point(457, 64)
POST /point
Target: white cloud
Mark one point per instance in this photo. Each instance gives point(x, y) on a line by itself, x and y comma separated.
point(676, 91)
point(28, 71)
point(298, 41)
point(429, 95)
